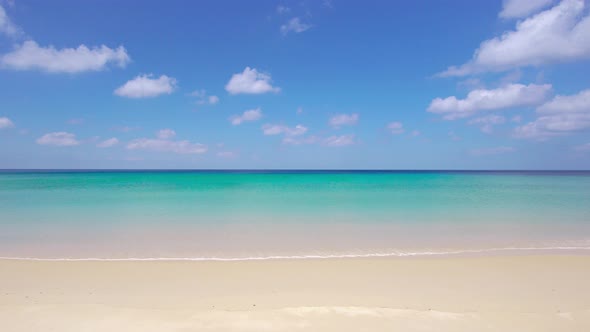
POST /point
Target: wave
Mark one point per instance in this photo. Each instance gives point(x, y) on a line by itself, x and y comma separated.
point(315, 256)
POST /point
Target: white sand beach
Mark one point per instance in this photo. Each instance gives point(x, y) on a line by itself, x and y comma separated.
point(500, 293)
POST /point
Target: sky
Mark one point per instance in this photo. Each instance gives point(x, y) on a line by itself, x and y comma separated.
point(295, 84)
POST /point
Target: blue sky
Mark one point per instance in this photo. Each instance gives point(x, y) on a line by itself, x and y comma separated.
point(295, 84)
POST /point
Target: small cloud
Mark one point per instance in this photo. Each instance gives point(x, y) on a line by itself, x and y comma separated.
point(516, 118)
point(283, 9)
point(250, 81)
point(203, 98)
point(58, 139)
point(338, 141)
point(144, 86)
point(415, 133)
point(7, 27)
point(395, 128)
point(247, 116)
point(508, 96)
point(165, 133)
point(560, 116)
point(108, 143)
point(270, 129)
point(163, 143)
point(522, 8)
point(294, 25)
point(299, 110)
point(5, 123)
point(492, 151)
point(30, 56)
point(339, 120)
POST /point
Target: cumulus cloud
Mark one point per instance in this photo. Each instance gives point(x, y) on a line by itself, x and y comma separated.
point(164, 143)
point(486, 123)
point(31, 56)
point(5, 123)
point(203, 98)
point(337, 141)
point(344, 120)
point(561, 115)
point(7, 27)
point(294, 25)
point(108, 143)
point(58, 139)
point(522, 8)
point(508, 96)
point(270, 129)
point(247, 116)
point(396, 128)
point(165, 133)
point(492, 151)
point(250, 81)
point(145, 86)
point(559, 34)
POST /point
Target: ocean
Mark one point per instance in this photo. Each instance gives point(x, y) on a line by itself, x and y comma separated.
point(199, 215)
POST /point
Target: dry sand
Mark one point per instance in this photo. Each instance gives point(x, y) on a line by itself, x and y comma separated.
point(503, 293)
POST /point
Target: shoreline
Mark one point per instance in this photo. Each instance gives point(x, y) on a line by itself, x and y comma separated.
point(485, 252)
point(492, 293)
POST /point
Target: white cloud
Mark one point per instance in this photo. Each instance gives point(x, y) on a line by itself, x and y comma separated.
point(337, 141)
point(522, 8)
point(58, 139)
point(416, 133)
point(486, 123)
point(299, 110)
point(583, 147)
point(270, 129)
point(559, 34)
point(578, 103)
point(344, 120)
point(163, 143)
point(283, 9)
point(516, 118)
point(203, 98)
point(395, 128)
point(295, 25)
point(108, 143)
point(508, 96)
point(6, 26)
point(492, 151)
point(213, 100)
point(5, 123)
point(30, 55)
point(250, 81)
point(561, 115)
point(144, 86)
point(247, 116)
point(165, 133)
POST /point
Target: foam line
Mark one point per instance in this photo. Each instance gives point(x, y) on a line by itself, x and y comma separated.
point(301, 257)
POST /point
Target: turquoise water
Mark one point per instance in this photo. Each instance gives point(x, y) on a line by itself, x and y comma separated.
point(41, 212)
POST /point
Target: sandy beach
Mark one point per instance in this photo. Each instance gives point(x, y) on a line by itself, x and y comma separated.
point(500, 293)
